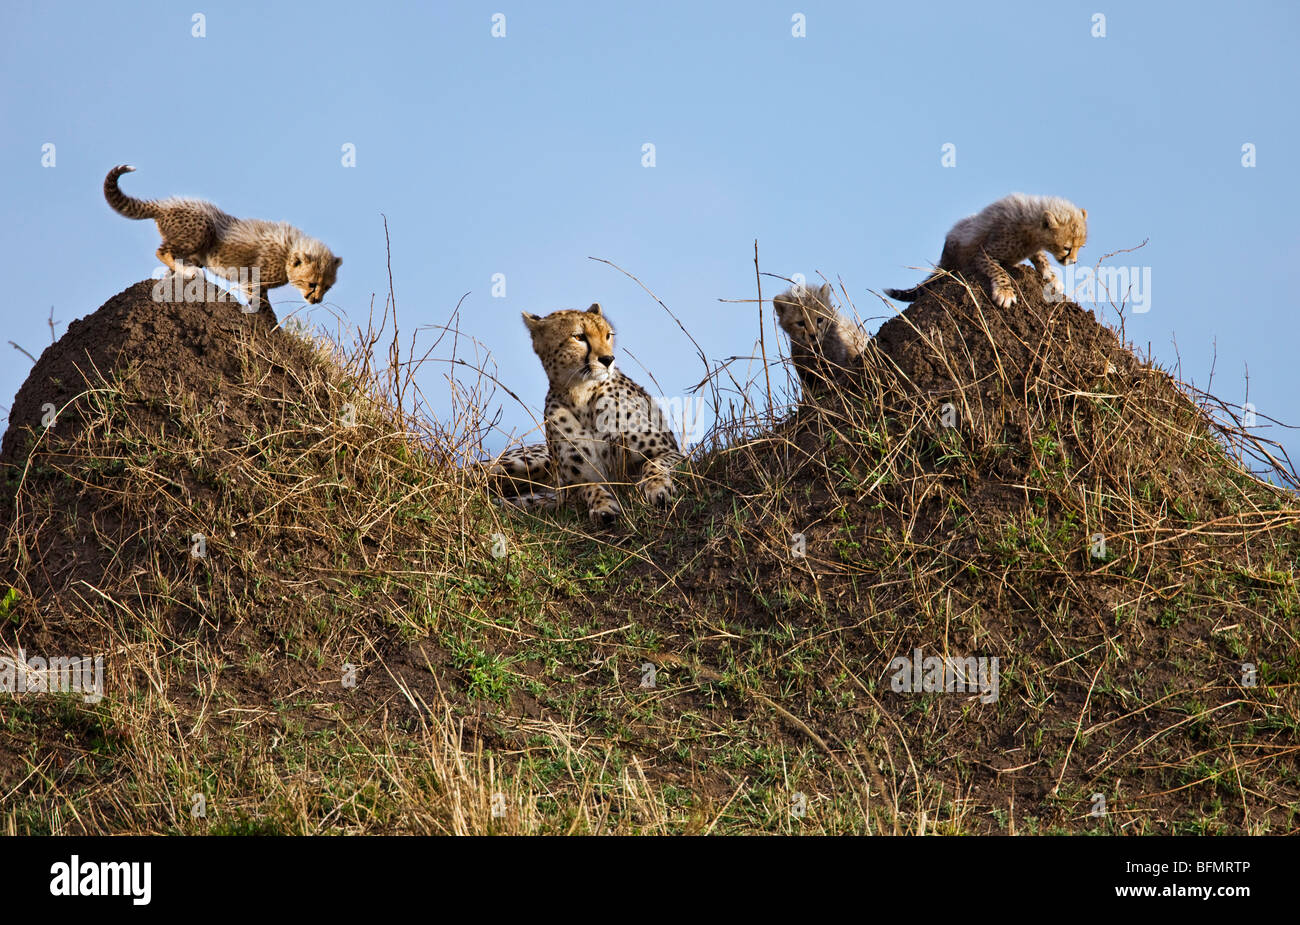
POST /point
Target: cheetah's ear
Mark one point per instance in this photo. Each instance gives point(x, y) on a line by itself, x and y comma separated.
point(531, 320)
point(1049, 220)
point(595, 309)
point(337, 262)
point(1084, 213)
point(824, 294)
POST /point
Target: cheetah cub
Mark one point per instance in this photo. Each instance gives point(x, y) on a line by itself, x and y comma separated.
point(601, 427)
point(255, 254)
point(822, 341)
point(1005, 233)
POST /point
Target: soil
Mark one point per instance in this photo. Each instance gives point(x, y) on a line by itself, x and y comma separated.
point(1028, 386)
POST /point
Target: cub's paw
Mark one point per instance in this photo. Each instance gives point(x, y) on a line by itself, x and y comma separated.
point(1003, 296)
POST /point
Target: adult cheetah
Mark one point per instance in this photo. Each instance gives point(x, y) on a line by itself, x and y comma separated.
point(601, 427)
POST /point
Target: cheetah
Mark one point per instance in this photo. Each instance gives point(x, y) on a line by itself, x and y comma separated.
point(823, 343)
point(601, 427)
point(255, 254)
point(1005, 233)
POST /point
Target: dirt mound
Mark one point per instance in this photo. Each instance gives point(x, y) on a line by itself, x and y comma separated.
point(1016, 484)
point(150, 361)
point(989, 390)
point(1048, 371)
point(949, 345)
point(171, 348)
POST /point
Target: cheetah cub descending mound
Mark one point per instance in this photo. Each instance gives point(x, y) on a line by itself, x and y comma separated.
point(255, 254)
point(601, 427)
point(1005, 233)
point(822, 341)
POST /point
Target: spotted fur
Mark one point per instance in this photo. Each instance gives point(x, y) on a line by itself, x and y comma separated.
point(601, 427)
point(823, 343)
point(199, 234)
point(1015, 228)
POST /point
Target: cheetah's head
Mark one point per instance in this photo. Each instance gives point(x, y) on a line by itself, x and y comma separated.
point(1066, 231)
point(805, 313)
point(574, 346)
point(312, 269)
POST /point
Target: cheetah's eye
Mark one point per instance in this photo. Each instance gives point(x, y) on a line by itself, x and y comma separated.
point(581, 337)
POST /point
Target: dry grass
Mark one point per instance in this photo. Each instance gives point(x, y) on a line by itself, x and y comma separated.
point(505, 694)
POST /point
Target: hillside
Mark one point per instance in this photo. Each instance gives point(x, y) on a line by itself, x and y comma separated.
point(368, 644)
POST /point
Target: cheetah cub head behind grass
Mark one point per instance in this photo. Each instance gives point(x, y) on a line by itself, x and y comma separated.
point(805, 314)
point(575, 347)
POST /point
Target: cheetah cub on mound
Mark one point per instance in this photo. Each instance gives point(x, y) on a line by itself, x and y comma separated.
point(1005, 233)
point(201, 235)
point(822, 341)
point(601, 427)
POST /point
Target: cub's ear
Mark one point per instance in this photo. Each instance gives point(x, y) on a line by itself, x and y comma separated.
point(595, 309)
point(1084, 213)
point(532, 321)
point(337, 262)
point(1049, 220)
point(824, 294)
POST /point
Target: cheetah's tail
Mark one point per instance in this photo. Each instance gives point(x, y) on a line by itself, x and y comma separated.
point(122, 203)
point(905, 295)
point(911, 295)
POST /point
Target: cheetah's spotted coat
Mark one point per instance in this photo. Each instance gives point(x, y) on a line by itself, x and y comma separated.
point(199, 234)
point(1003, 234)
point(601, 427)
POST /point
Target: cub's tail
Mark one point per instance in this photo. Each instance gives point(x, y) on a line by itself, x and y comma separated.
point(911, 295)
point(122, 203)
point(905, 295)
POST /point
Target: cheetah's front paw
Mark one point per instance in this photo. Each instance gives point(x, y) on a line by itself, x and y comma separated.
point(531, 501)
point(660, 494)
point(1003, 297)
point(605, 513)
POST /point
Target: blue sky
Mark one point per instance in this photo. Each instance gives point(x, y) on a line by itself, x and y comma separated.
point(522, 156)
